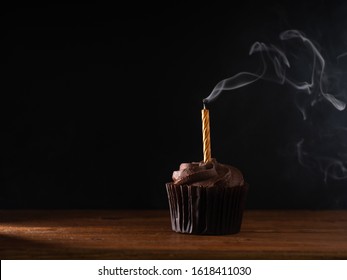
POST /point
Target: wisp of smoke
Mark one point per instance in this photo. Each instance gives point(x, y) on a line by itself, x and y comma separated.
point(280, 62)
point(275, 65)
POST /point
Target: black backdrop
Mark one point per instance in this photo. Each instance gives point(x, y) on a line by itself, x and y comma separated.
point(99, 105)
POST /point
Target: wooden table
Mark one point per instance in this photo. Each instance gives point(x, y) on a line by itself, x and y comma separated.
point(114, 234)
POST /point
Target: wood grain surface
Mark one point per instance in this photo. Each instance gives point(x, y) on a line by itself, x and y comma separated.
point(147, 234)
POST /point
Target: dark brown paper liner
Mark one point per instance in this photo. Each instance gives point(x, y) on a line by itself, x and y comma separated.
point(206, 210)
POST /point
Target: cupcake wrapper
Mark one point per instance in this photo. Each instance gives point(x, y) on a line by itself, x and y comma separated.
point(206, 210)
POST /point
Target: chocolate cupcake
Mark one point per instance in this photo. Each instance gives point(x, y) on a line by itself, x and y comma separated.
point(206, 198)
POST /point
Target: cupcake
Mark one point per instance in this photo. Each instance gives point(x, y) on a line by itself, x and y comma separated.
point(206, 198)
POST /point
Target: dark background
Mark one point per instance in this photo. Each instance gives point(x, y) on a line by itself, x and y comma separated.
point(100, 105)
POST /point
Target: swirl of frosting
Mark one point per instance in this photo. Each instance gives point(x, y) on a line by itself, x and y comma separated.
point(208, 174)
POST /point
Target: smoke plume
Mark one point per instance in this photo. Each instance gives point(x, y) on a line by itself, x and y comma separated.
point(323, 149)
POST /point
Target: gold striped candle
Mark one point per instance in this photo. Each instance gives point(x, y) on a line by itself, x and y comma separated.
point(205, 115)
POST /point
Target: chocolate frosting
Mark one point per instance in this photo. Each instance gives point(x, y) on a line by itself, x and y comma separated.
point(208, 174)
